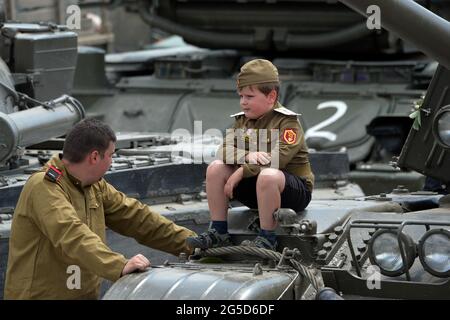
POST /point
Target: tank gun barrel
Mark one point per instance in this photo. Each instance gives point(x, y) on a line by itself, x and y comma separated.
point(38, 124)
point(417, 25)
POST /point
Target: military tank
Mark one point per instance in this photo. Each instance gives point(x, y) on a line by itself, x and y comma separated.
point(354, 86)
point(391, 246)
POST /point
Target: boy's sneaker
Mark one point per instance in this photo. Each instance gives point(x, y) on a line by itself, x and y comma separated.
point(209, 239)
point(260, 242)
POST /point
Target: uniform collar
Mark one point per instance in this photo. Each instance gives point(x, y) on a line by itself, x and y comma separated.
point(275, 106)
point(57, 162)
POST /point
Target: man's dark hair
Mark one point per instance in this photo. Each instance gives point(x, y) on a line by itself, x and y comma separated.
point(85, 137)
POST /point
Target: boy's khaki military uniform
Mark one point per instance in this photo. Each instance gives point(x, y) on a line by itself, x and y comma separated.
point(57, 224)
point(293, 152)
point(276, 131)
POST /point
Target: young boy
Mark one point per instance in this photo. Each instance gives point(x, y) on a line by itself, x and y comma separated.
point(254, 176)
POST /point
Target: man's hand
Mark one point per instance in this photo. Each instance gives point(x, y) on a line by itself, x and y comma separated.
point(233, 180)
point(259, 157)
point(138, 262)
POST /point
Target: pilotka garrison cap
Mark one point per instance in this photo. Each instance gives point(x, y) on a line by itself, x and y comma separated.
point(256, 72)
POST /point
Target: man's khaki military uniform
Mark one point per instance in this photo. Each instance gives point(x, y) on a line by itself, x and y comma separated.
point(293, 152)
point(59, 224)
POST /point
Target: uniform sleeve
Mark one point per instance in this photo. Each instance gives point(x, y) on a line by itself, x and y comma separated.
point(251, 170)
point(132, 218)
point(57, 219)
point(290, 141)
point(228, 152)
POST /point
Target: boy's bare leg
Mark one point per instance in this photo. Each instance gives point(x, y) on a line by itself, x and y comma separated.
point(217, 176)
point(269, 186)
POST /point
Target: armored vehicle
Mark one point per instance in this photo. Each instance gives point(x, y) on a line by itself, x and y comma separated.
point(388, 246)
point(354, 86)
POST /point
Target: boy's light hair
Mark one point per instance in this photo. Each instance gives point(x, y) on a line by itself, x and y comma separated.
point(267, 88)
point(264, 88)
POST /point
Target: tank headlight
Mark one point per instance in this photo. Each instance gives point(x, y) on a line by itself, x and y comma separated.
point(384, 252)
point(434, 252)
point(441, 126)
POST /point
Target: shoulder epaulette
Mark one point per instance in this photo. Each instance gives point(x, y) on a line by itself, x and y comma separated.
point(53, 174)
point(287, 112)
point(237, 114)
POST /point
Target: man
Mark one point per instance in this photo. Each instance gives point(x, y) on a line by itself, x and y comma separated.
point(60, 219)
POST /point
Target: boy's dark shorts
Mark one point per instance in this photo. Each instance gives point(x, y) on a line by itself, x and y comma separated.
point(295, 195)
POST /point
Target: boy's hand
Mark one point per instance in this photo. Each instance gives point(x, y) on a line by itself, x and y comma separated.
point(233, 180)
point(259, 157)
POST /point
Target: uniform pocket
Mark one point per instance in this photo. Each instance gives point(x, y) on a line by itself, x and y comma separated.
point(97, 215)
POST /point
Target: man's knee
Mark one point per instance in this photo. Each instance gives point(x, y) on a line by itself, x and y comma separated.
point(269, 177)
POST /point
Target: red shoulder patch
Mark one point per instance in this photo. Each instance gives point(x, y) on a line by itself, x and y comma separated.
point(53, 174)
point(290, 136)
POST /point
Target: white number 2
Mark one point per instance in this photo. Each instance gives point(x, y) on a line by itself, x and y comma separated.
point(341, 108)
